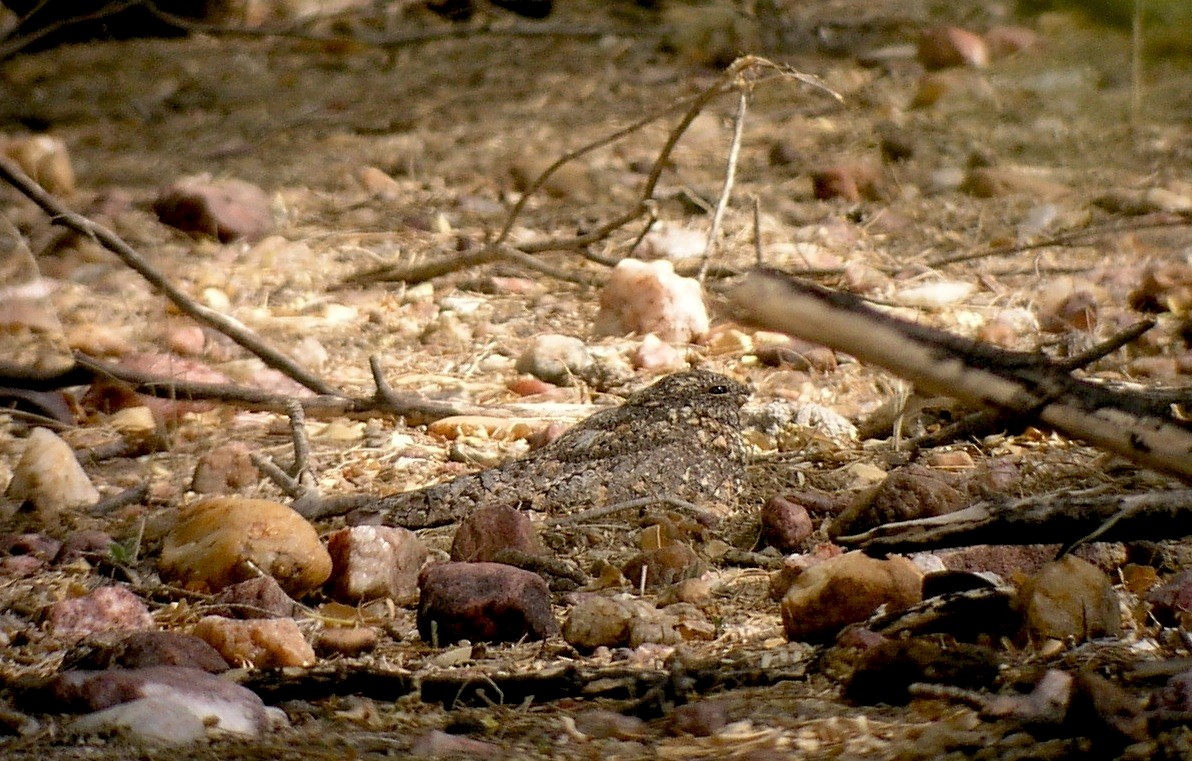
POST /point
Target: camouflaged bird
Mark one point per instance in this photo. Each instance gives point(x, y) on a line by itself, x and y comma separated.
point(677, 438)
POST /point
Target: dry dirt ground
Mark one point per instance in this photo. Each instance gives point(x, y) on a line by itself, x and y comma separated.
point(454, 123)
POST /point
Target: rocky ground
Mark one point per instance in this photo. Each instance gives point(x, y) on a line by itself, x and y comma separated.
point(1007, 182)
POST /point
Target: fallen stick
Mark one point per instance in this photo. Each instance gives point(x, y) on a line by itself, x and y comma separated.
point(1026, 385)
point(1049, 519)
point(233, 329)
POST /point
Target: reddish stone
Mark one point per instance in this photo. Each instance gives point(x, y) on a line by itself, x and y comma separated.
point(225, 470)
point(785, 524)
point(225, 209)
point(144, 649)
point(488, 530)
point(347, 642)
point(261, 597)
point(483, 602)
point(946, 46)
point(39, 546)
point(92, 546)
point(664, 565)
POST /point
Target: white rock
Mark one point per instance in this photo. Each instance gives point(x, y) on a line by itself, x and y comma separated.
point(49, 477)
point(165, 719)
point(657, 355)
point(648, 297)
point(674, 243)
point(934, 295)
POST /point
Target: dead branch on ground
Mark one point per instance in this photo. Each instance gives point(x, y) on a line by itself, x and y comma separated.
point(1071, 238)
point(413, 408)
point(233, 329)
point(988, 421)
point(1028, 386)
point(1047, 519)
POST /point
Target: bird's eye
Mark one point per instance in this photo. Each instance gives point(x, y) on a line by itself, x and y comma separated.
point(718, 389)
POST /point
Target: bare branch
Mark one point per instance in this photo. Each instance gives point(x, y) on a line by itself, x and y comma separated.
point(60, 215)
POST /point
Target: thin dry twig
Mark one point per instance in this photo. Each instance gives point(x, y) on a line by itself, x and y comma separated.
point(233, 329)
point(730, 176)
point(11, 45)
point(734, 77)
point(1064, 239)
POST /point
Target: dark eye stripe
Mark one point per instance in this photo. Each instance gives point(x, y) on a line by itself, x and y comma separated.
point(718, 389)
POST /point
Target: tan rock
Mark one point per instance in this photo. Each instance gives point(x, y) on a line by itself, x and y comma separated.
point(847, 589)
point(224, 540)
point(46, 161)
point(1069, 598)
point(50, 478)
point(261, 642)
point(993, 181)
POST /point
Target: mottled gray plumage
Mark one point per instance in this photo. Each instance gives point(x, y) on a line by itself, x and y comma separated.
point(677, 438)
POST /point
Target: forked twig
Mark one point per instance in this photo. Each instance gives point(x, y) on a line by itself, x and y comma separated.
point(734, 77)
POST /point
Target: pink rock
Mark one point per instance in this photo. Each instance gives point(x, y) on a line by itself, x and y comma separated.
point(1007, 561)
point(656, 355)
point(648, 297)
point(483, 602)
point(1004, 41)
point(488, 530)
point(104, 610)
point(39, 546)
point(375, 561)
point(225, 209)
point(785, 524)
point(946, 46)
point(187, 340)
point(261, 642)
point(20, 566)
point(225, 469)
point(438, 744)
